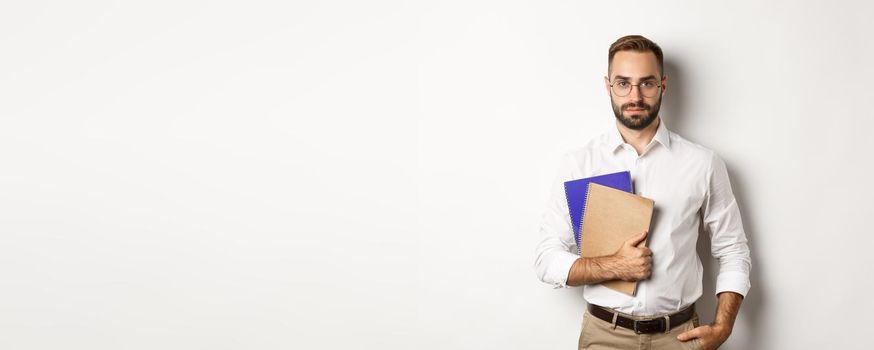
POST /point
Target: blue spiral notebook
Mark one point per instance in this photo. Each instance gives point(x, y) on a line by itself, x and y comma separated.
point(575, 191)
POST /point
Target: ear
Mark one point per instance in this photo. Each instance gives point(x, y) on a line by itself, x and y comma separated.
point(664, 84)
point(607, 84)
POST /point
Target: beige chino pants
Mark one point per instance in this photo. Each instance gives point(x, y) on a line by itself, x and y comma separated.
point(598, 334)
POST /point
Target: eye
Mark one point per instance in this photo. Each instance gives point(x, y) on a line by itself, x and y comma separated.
point(622, 83)
point(649, 84)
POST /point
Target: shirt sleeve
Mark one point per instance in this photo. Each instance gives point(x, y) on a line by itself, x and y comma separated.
point(553, 255)
point(728, 241)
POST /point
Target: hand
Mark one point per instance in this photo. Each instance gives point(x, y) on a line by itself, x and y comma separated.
point(632, 263)
point(709, 336)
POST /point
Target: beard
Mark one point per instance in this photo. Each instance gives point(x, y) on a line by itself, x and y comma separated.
point(639, 120)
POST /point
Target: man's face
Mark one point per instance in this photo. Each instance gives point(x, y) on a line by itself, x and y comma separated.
point(635, 110)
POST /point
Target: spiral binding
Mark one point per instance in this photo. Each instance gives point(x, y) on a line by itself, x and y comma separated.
point(583, 217)
point(568, 200)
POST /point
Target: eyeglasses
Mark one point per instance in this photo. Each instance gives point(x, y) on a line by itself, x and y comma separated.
point(648, 88)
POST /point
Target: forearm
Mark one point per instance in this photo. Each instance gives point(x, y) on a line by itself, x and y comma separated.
point(726, 311)
point(590, 271)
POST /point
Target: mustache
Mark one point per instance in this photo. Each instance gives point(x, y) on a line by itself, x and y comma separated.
point(636, 105)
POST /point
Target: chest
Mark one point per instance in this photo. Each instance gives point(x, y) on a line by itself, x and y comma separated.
point(677, 185)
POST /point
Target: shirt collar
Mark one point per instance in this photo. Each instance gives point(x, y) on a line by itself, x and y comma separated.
point(662, 136)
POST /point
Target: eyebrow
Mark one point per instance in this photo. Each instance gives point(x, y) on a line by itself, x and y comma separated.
point(641, 79)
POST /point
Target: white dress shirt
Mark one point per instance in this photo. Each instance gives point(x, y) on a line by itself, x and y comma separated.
point(682, 178)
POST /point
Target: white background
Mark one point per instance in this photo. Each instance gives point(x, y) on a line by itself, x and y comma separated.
point(326, 175)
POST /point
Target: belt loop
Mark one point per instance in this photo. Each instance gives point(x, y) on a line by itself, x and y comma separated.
point(668, 324)
point(615, 316)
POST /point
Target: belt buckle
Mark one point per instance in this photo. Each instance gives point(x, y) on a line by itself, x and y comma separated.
point(652, 321)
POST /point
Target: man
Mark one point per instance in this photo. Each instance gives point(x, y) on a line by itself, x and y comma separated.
point(689, 185)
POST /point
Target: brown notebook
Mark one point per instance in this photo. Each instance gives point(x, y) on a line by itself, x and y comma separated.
point(611, 217)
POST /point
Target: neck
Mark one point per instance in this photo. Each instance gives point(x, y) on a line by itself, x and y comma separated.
point(639, 138)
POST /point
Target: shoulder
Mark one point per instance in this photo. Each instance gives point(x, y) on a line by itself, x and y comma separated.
point(582, 154)
point(579, 161)
point(704, 158)
point(692, 150)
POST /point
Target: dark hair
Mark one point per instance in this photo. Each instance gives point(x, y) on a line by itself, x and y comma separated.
point(635, 43)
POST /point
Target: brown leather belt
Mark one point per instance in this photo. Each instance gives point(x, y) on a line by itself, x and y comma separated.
point(645, 326)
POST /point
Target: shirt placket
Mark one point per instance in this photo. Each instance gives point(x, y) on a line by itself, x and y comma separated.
point(637, 166)
point(641, 189)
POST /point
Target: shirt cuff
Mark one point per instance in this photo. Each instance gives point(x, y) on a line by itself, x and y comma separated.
point(561, 268)
point(733, 281)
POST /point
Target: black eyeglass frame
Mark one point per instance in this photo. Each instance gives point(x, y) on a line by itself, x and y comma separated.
point(658, 85)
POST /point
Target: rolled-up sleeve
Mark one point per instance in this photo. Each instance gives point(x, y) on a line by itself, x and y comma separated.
point(722, 221)
point(553, 255)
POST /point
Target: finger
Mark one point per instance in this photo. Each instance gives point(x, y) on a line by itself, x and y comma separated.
point(633, 241)
point(690, 334)
point(646, 251)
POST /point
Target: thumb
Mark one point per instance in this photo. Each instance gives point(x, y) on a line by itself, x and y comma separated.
point(636, 239)
point(689, 335)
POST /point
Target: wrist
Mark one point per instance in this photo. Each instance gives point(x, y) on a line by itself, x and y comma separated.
point(722, 328)
point(605, 264)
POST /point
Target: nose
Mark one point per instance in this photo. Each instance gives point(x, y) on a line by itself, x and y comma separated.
point(635, 93)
